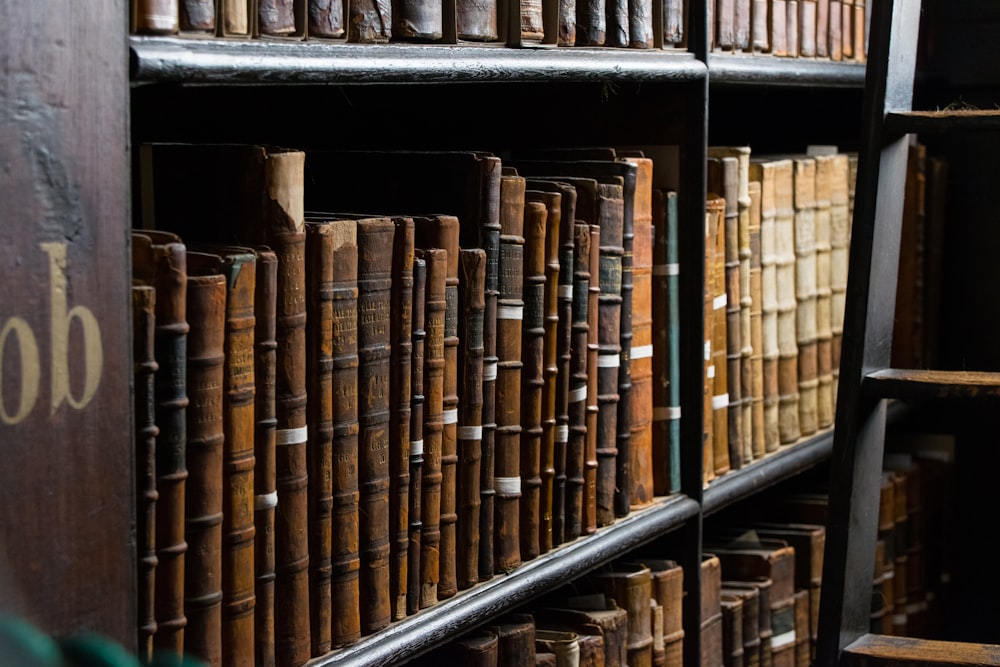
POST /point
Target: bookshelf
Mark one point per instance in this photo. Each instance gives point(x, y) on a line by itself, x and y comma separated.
point(411, 96)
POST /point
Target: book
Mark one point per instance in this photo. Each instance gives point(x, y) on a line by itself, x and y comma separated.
point(714, 206)
point(400, 397)
point(711, 610)
point(277, 18)
point(792, 27)
point(235, 18)
point(836, 42)
point(423, 20)
point(591, 24)
point(673, 22)
point(750, 630)
point(197, 16)
point(565, 645)
point(822, 28)
point(206, 310)
point(515, 639)
point(419, 334)
point(756, 591)
point(778, 35)
point(577, 480)
point(477, 21)
point(668, 593)
point(326, 18)
point(860, 23)
point(718, 372)
point(144, 400)
point(741, 25)
point(630, 585)
point(758, 432)
point(802, 651)
point(725, 24)
point(433, 420)
point(840, 224)
point(159, 259)
point(804, 198)
point(732, 630)
point(603, 612)
point(847, 29)
point(532, 25)
point(532, 377)
point(666, 345)
point(808, 20)
point(369, 22)
point(640, 24)
point(472, 305)
point(153, 17)
point(759, 35)
point(824, 291)
point(591, 458)
point(617, 15)
point(265, 486)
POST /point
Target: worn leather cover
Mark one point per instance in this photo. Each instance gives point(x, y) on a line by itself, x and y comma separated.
point(673, 23)
point(154, 17)
point(741, 25)
point(778, 28)
point(477, 21)
point(420, 20)
point(759, 37)
point(802, 644)
point(326, 18)
point(206, 310)
point(792, 27)
point(750, 630)
point(591, 458)
point(563, 644)
point(235, 18)
point(589, 635)
point(277, 17)
point(666, 345)
point(725, 24)
point(760, 589)
point(472, 304)
point(369, 22)
point(197, 16)
point(713, 207)
point(823, 28)
point(591, 23)
point(478, 649)
point(806, 291)
point(807, 28)
point(718, 371)
point(732, 631)
point(860, 24)
point(630, 585)
point(603, 613)
point(576, 480)
point(836, 41)
point(711, 611)
point(413, 552)
point(840, 226)
point(758, 432)
point(515, 639)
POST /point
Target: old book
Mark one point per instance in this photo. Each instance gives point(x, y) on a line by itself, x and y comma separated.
point(802, 651)
point(711, 610)
point(860, 24)
point(326, 19)
point(673, 22)
point(630, 585)
point(908, 324)
point(265, 490)
point(472, 304)
point(144, 371)
point(616, 13)
point(197, 16)
point(591, 457)
point(758, 433)
point(717, 372)
point(741, 25)
point(778, 28)
point(640, 24)
point(756, 591)
point(750, 630)
point(532, 25)
point(713, 210)
point(786, 276)
point(666, 345)
point(235, 18)
point(477, 21)
point(822, 28)
point(602, 612)
point(808, 22)
point(474, 649)
point(423, 20)
point(847, 29)
point(576, 472)
point(515, 639)
point(824, 293)
point(668, 594)
point(532, 377)
point(835, 41)
point(430, 502)
point(206, 310)
point(153, 17)
point(276, 18)
point(400, 379)
point(591, 23)
point(564, 644)
point(804, 234)
point(725, 24)
point(369, 22)
point(792, 27)
point(159, 259)
point(840, 225)
point(759, 36)
point(732, 630)
point(419, 335)
point(441, 231)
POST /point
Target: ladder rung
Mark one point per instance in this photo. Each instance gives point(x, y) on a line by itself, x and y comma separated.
point(938, 122)
point(885, 651)
point(906, 383)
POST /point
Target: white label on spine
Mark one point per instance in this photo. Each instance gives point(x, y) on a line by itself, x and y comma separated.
point(417, 447)
point(720, 302)
point(266, 501)
point(608, 360)
point(449, 416)
point(783, 640)
point(566, 292)
point(510, 312)
point(710, 371)
point(666, 414)
point(562, 433)
point(489, 371)
point(708, 350)
point(507, 485)
point(578, 394)
point(291, 436)
point(666, 269)
point(720, 401)
point(470, 432)
point(642, 352)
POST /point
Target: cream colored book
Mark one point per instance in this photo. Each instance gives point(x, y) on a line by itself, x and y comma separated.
point(805, 291)
point(824, 332)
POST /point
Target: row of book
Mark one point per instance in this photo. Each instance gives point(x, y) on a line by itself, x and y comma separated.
point(343, 418)
point(826, 29)
point(610, 23)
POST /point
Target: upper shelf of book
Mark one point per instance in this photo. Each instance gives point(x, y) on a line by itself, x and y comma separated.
point(219, 62)
point(732, 69)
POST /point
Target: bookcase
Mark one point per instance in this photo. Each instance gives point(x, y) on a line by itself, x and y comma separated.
point(72, 144)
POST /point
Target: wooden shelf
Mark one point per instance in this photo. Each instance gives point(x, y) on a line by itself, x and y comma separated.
point(737, 69)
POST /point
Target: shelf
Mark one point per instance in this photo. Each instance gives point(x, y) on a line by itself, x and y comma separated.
point(449, 618)
point(774, 71)
point(218, 62)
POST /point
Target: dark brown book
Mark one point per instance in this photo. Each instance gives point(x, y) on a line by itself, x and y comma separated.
point(326, 18)
point(413, 568)
point(442, 231)
point(759, 590)
point(265, 490)
point(711, 611)
point(576, 446)
point(369, 22)
point(515, 639)
point(750, 630)
point(197, 16)
point(532, 377)
point(475, 649)
point(718, 373)
point(276, 18)
point(375, 241)
point(153, 17)
point(206, 309)
point(509, 314)
point(612, 620)
point(319, 415)
point(144, 370)
point(591, 458)
point(472, 304)
point(159, 259)
point(418, 20)
point(477, 21)
point(434, 362)
point(630, 585)
point(802, 651)
point(732, 631)
point(400, 379)
point(345, 555)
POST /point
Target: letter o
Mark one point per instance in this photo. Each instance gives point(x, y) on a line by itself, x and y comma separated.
point(30, 369)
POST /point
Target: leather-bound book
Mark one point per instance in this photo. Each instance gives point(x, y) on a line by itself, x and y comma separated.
point(750, 613)
point(430, 491)
point(563, 644)
point(824, 294)
point(668, 592)
point(265, 491)
point(714, 206)
point(802, 651)
point(375, 242)
point(757, 589)
point(807, 28)
point(711, 611)
point(732, 631)
point(577, 393)
point(835, 47)
point(758, 433)
point(276, 18)
point(477, 21)
point(666, 345)
point(805, 291)
point(591, 458)
point(413, 567)
point(792, 27)
point(840, 227)
point(759, 38)
point(532, 26)
point(571, 626)
point(822, 28)
point(532, 377)
point(472, 304)
point(718, 373)
point(144, 371)
point(778, 28)
point(741, 25)
point(591, 23)
point(319, 411)
point(326, 19)
point(369, 22)
point(860, 23)
point(235, 18)
point(725, 24)
point(659, 655)
point(847, 29)
point(507, 402)
point(763, 172)
point(630, 585)
point(418, 20)
point(476, 649)
point(159, 259)
point(153, 17)
point(400, 378)
point(197, 17)
point(206, 310)
point(515, 639)
point(673, 23)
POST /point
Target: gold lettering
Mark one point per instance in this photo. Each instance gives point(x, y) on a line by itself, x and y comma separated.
point(30, 370)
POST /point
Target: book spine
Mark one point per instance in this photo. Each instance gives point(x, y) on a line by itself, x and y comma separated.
point(823, 29)
point(807, 28)
point(632, 590)
point(836, 41)
point(617, 15)
point(860, 23)
point(640, 24)
point(476, 21)
point(824, 293)
point(206, 303)
point(805, 291)
point(759, 37)
point(400, 378)
point(673, 22)
point(742, 154)
point(430, 501)
point(764, 173)
point(666, 417)
point(708, 313)
point(576, 472)
point(566, 25)
point(197, 16)
point(591, 461)
point(235, 19)
point(792, 27)
point(319, 414)
point(265, 490)
point(413, 566)
point(448, 584)
point(277, 17)
point(144, 369)
point(532, 377)
point(733, 314)
point(840, 225)
point(564, 332)
point(741, 25)
point(591, 24)
point(156, 17)
point(510, 313)
point(610, 221)
point(532, 28)
point(345, 555)
point(472, 304)
point(423, 21)
point(286, 235)
point(784, 259)
point(758, 438)
point(778, 28)
point(720, 369)
point(623, 458)
point(375, 240)
point(369, 22)
point(326, 18)
point(725, 24)
point(238, 461)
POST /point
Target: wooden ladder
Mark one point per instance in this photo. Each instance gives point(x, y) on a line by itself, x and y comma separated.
point(866, 379)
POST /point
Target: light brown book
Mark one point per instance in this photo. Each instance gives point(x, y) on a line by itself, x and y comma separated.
point(808, 23)
point(668, 593)
point(630, 585)
point(778, 28)
point(235, 18)
point(835, 41)
point(823, 28)
point(725, 24)
point(153, 17)
point(804, 189)
point(718, 370)
point(759, 35)
point(802, 650)
point(840, 224)
point(732, 630)
point(824, 293)
point(758, 433)
point(860, 23)
point(792, 27)
point(711, 610)
point(847, 29)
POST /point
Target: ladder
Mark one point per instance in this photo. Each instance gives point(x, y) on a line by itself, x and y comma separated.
point(866, 378)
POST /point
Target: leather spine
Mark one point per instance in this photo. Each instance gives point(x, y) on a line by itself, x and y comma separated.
point(276, 17)
point(419, 20)
point(369, 21)
point(515, 639)
point(725, 24)
point(591, 24)
point(197, 16)
point(477, 21)
point(785, 279)
point(476, 649)
point(804, 180)
point(732, 631)
point(155, 17)
point(576, 472)
point(623, 457)
point(836, 41)
point(234, 18)
point(719, 370)
point(711, 611)
point(840, 225)
point(759, 41)
point(778, 28)
point(758, 434)
point(708, 325)
point(472, 305)
point(673, 22)
point(591, 459)
point(326, 18)
point(824, 294)
point(565, 645)
point(666, 345)
point(822, 28)
point(631, 586)
point(419, 334)
point(750, 630)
